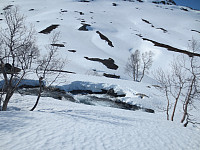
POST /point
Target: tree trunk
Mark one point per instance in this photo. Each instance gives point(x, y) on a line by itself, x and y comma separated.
point(172, 117)
point(39, 95)
point(5, 103)
point(188, 100)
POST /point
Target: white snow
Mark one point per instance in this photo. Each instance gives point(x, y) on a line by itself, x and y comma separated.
point(66, 125)
point(61, 124)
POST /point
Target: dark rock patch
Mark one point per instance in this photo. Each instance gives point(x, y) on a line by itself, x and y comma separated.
point(31, 9)
point(114, 4)
point(103, 37)
point(58, 45)
point(146, 21)
point(9, 69)
point(49, 29)
point(62, 71)
point(109, 63)
point(195, 31)
point(1, 19)
point(7, 7)
point(111, 76)
point(73, 51)
point(85, 27)
point(109, 92)
point(81, 13)
point(164, 30)
point(184, 9)
point(170, 48)
point(133, 107)
point(61, 10)
point(87, 1)
point(169, 2)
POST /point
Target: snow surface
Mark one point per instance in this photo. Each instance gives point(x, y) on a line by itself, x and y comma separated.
point(65, 125)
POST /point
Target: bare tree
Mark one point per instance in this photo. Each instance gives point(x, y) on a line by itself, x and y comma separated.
point(138, 65)
point(193, 81)
point(147, 60)
point(18, 51)
point(164, 86)
point(171, 84)
point(47, 66)
point(182, 83)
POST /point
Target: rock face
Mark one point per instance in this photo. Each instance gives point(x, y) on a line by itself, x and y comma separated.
point(109, 63)
point(165, 2)
point(9, 69)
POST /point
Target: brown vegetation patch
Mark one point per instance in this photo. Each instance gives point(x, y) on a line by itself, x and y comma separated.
point(103, 37)
point(109, 63)
point(49, 29)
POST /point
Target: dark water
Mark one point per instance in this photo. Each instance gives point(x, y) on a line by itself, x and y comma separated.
point(87, 99)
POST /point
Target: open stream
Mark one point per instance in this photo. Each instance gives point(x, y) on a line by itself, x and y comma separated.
point(85, 98)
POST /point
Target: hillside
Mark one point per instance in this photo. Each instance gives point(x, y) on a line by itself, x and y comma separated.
point(96, 39)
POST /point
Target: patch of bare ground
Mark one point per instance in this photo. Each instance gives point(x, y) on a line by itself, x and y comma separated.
point(195, 31)
point(7, 7)
point(109, 63)
point(87, 1)
point(72, 50)
point(170, 48)
point(111, 76)
point(103, 37)
point(146, 21)
point(58, 45)
point(85, 27)
point(63, 71)
point(49, 29)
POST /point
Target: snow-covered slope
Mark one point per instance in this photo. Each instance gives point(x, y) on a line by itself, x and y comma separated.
point(124, 25)
point(58, 125)
point(129, 25)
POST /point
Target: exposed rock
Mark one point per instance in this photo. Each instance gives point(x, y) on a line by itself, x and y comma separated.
point(7, 7)
point(85, 27)
point(49, 29)
point(103, 37)
point(58, 45)
point(73, 51)
point(111, 76)
point(9, 69)
point(109, 63)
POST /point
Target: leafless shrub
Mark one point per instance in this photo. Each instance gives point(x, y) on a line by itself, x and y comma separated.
point(47, 64)
point(182, 82)
point(18, 51)
point(138, 65)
